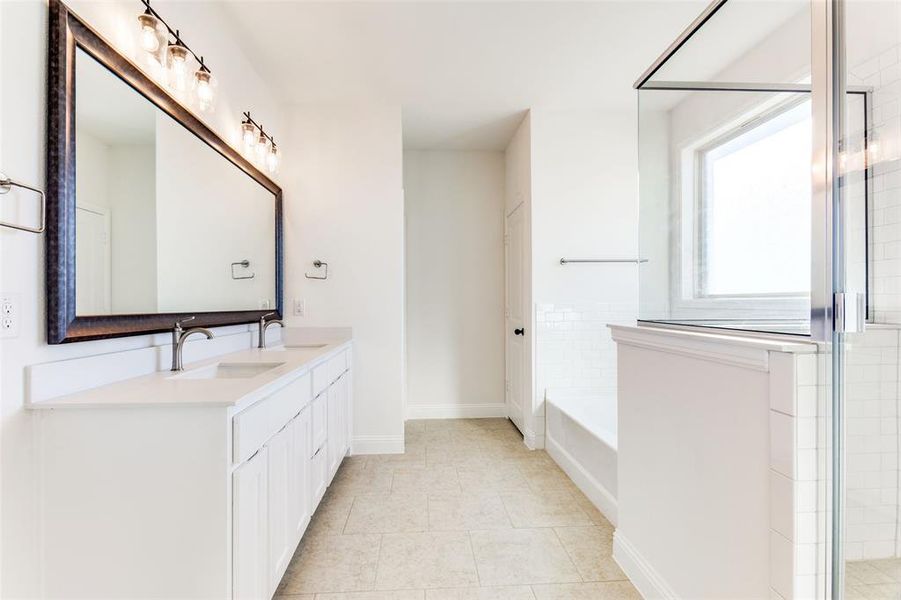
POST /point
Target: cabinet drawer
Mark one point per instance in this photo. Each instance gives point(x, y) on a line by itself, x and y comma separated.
point(254, 426)
point(320, 378)
point(319, 416)
point(336, 366)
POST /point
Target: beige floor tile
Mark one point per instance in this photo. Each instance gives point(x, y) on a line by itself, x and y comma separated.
point(511, 592)
point(490, 479)
point(543, 509)
point(366, 480)
point(543, 477)
point(413, 457)
point(414, 426)
point(521, 556)
point(454, 455)
point(442, 478)
point(464, 512)
point(591, 549)
point(597, 518)
point(388, 513)
point(889, 566)
point(373, 595)
point(294, 597)
point(333, 563)
point(865, 573)
point(505, 449)
point(425, 560)
point(331, 515)
point(619, 590)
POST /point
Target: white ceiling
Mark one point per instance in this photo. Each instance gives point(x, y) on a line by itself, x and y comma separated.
point(463, 72)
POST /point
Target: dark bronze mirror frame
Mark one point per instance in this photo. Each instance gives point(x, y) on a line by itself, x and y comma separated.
point(68, 32)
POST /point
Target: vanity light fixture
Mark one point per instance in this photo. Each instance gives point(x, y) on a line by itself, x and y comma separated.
point(166, 46)
point(259, 145)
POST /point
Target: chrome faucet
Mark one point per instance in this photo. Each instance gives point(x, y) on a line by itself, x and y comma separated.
point(264, 325)
point(179, 336)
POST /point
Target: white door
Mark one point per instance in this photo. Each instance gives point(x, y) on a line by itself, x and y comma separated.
point(515, 316)
point(281, 510)
point(250, 544)
point(92, 260)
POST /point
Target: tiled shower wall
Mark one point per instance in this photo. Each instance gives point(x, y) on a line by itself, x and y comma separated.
point(574, 348)
point(873, 529)
point(872, 444)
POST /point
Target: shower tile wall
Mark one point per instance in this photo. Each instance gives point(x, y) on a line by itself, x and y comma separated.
point(574, 347)
point(883, 74)
point(872, 444)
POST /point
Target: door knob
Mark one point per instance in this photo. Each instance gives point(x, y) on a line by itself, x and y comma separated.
point(519, 331)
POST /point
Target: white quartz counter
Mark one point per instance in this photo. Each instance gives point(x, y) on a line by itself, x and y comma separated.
point(168, 389)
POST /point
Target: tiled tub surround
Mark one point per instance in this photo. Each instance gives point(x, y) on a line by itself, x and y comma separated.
point(171, 487)
point(467, 513)
point(718, 443)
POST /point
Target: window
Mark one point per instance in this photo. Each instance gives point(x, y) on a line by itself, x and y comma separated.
point(753, 207)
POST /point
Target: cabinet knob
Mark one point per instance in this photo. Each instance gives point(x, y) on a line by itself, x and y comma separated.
point(519, 331)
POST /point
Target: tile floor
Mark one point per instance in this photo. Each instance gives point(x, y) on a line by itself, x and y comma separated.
point(467, 513)
point(873, 579)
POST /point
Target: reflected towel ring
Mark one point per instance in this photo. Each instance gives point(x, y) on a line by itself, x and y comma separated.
point(318, 264)
point(243, 263)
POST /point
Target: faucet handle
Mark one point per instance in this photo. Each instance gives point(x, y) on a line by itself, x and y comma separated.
point(263, 318)
point(185, 320)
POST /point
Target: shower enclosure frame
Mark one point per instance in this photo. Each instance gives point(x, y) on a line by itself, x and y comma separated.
point(832, 313)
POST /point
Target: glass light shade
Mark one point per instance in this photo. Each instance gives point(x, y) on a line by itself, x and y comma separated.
point(262, 147)
point(248, 135)
point(272, 159)
point(177, 60)
point(204, 89)
point(151, 37)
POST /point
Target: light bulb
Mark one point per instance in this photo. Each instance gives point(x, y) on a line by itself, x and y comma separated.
point(203, 88)
point(248, 135)
point(272, 159)
point(262, 147)
point(178, 67)
point(151, 38)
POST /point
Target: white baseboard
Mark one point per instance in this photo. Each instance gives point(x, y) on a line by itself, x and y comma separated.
point(532, 440)
point(591, 487)
point(378, 444)
point(456, 411)
point(646, 580)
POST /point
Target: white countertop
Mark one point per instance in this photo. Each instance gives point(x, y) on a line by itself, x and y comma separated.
point(167, 389)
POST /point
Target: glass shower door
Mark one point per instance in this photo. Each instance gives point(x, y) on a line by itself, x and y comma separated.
point(864, 427)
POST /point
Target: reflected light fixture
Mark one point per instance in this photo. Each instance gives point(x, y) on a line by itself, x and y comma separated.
point(259, 146)
point(203, 87)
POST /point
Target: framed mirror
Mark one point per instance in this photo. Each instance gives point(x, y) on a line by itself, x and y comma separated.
point(151, 215)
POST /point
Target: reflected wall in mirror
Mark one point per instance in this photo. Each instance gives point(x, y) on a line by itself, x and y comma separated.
point(160, 217)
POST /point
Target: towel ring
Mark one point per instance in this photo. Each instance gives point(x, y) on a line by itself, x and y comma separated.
point(6, 184)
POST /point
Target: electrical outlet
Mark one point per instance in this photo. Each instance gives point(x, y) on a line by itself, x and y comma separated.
point(9, 315)
point(300, 307)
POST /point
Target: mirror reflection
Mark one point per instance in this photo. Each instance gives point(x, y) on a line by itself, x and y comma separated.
point(164, 223)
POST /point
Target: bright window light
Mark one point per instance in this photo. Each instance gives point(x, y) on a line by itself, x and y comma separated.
point(754, 203)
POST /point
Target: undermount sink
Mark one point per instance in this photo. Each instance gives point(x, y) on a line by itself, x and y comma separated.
point(244, 370)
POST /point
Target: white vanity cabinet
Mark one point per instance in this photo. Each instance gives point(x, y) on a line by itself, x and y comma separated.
point(204, 500)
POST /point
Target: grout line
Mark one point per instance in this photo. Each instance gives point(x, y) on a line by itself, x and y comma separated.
point(569, 555)
point(472, 550)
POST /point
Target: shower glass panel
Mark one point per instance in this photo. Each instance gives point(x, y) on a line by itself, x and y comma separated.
point(725, 163)
point(867, 258)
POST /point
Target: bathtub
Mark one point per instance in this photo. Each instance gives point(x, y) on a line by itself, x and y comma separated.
point(581, 437)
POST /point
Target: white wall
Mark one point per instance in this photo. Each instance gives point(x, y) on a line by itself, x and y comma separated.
point(584, 205)
point(23, 60)
point(454, 205)
point(346, 208)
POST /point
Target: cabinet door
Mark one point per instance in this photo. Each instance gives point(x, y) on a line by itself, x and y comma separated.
point(281, 510)
point(300, 494)
point(319, 415)
point(318, 477)
point(250, 535)
point(349, 408)
point(335, 425)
